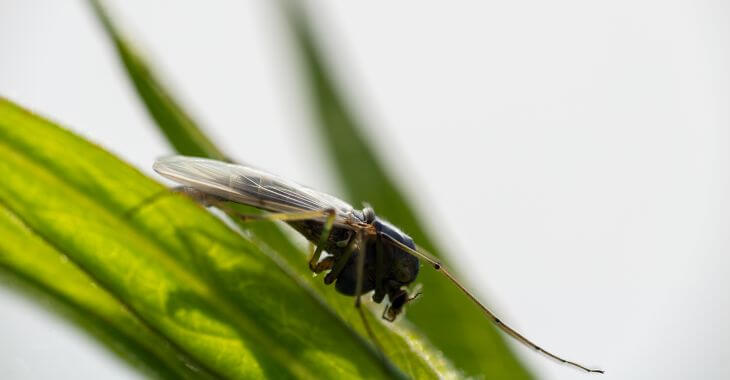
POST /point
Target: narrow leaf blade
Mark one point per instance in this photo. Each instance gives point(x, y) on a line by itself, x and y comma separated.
point(179, 128)
point(467, 338)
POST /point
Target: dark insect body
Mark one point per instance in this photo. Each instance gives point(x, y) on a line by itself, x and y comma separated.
point(387, 276)
point(366, 253)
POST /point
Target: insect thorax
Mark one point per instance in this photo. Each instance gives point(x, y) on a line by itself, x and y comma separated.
point(398, 268)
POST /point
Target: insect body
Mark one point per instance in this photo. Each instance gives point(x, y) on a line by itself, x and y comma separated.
point(366, 253)
point(387, 276)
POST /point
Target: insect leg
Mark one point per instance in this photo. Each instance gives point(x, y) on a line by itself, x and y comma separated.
point(358, 292)
point(330, 214)
point(422, 254)
point(329, 222)
point(379, 293)
point(326, 264)
point(340, 262)
point(326, 231)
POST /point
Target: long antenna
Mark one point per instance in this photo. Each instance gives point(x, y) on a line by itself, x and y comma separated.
point(424, 255)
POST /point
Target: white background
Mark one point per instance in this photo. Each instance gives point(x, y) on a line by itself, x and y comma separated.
point(575, 155)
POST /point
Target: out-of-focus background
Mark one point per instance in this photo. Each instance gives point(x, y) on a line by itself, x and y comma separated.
point(574, 155)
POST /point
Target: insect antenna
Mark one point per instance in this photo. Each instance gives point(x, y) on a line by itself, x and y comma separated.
point(424, 255)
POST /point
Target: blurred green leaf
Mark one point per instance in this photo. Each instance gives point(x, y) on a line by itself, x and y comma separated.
point(445, 315)
point(179, 128)
point(403, 346)
point(157, 269)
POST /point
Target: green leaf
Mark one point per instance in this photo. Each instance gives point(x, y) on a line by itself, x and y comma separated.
point(182, 290)
point(403, 346)
point(445, 315)
point(37, 268)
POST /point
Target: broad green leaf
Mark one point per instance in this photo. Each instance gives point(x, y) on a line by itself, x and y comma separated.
point(156, 268)
point(403, 346)
point(36, 267)
point(449, 320)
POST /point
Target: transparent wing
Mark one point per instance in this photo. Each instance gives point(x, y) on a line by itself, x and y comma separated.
point(253, 187)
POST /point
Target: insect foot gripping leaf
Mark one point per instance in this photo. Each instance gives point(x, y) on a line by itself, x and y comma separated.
point(170, 282)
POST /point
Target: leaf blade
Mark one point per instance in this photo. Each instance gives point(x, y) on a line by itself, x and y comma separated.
point(73, 291)
point(180, 269)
